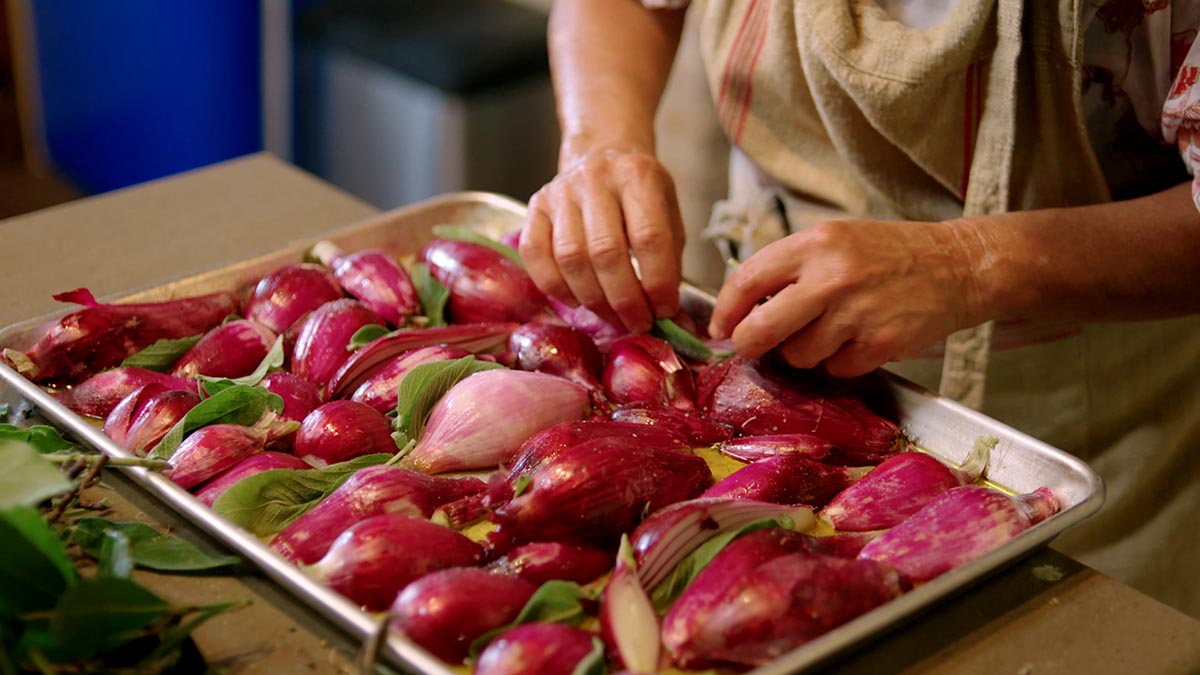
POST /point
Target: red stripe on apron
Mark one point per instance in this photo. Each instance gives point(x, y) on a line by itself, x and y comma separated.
point(733, 55)
point(760, 40)
point(736, 85)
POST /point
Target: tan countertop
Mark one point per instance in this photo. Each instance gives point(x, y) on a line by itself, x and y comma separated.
point(1013, 622)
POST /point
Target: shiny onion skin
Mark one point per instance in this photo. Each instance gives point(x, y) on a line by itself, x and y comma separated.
point(338, 431)
point(761, 397)
point(373, 560)
point(484, 284)
point(254, 464)
point(543, 648)
point(210, 450)
point(288, 293)
point(957, 527)
point(321, 346)
point(767, 593)
point(375, 278)
point(445, 611)
point(232, 349)
point(372, 491)
point(101, 336)
point(98, 395)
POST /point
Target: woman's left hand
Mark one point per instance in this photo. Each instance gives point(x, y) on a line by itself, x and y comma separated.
point(851, 295)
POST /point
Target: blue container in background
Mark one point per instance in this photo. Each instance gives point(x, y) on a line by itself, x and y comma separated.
point(139, 89)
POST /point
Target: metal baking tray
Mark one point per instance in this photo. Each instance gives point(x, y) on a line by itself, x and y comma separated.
point(1019, 462)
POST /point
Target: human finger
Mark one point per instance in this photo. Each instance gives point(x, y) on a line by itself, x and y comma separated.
point(571, 256)
point(762, 275)
point(772, 322)
point(608, 251)
point(855, 358)
point(815, 342)
point(537, 252)
point(655, 231)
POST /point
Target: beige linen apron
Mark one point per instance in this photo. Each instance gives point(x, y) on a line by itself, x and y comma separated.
point(838, 111)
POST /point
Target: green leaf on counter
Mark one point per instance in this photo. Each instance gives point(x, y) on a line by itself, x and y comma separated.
point(682, 341)
point(669, 589)
point(114, 558)
point(234, 404)
point(424, 386)
point(161, 355)
point(272, 362)
point(44, 439)
point(432, 293)
point(4, 411)
point(173, 636)
point(365, 336)
point(555, 601)
point(26, 478)
point(472, 236)
point(147, 547)
point(34, 567)
point(267, 502)
point(102, 613)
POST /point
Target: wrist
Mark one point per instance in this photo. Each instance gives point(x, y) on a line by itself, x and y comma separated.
point(582, 144)
point(1000, 280)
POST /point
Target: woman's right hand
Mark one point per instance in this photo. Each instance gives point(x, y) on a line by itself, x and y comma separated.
point(582, 227)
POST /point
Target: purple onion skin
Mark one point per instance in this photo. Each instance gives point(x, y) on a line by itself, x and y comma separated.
point(769, 607)
point(300, 397)
point(101, 336)
point(116, 424)
point(254, 464)
point(542, 561)
point(761, 398)
point(485, 285)
point(690, 424)
point(378, 280)
point(475, 338)
point(321, 345)
point(100, 393)
point(543, 648)
point(372, 491)
point(445, 611)
point(895, 490)
point(602, 333)
point(156, 418)
point(210, 450)
point(285, 295)
point(342, 430)
point(484, 419)
point(757, 448)
point(645, 369)
point(232, 349)
point(957, 527)
point(559, 350)
point(373, 560)
point(544, 446)
point(593, 492)
point(787, 479)
point(380, 389)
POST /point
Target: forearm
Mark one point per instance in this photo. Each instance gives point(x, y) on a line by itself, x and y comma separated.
point(610, 60)
point(1133, 259)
